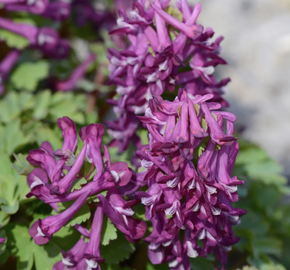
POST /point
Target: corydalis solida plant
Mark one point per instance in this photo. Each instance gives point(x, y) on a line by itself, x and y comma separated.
point(186, 182)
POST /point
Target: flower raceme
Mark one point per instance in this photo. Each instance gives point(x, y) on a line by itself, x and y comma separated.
point(189, 162)
point(52, 182)
point(179, 53)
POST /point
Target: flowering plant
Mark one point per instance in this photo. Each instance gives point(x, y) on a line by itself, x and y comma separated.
point(155, 188)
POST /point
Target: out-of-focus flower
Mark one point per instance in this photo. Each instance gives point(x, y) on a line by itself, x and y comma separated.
point(58, 10)
point(6, 65)
point(32, 6)
point(77, 74)
point(45, 39)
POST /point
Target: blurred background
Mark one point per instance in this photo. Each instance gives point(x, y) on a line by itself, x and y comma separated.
point(257, 49)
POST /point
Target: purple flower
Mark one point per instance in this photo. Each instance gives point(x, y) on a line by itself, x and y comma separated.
point(32, 6)
point(120, 213)
point(42, 230)
point(82, 230)
point(76, 75)
point(44, 157)
point(61, 187)
point(120, 171)
point(92, 252)
point(72, 257)
point(66, 154)
point(36, 180)
point(58, 10)
point(6, 65)
point(92, 136)
point(45, 39)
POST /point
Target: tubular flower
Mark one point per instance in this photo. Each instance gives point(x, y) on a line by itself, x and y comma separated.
point(6, 65)
point(42, 230)
point(92, 252)
point(179, 53)
point(72, 257)
point(120, 213)
point(189, 165)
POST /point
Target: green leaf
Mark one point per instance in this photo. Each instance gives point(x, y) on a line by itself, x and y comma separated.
point(67, 107)
point(86, 85)
point(174, 12)
point(27, 75)
point(204, 124)
point(12, 190)
point(267, 245)
point(109, 232)
point(4, 218)
point(63, 108)
point(163, 266)
point(81, 216)
point(10, 107)
point(46, 256)
point(5, 167)
point(101, 50)
point(267, 172)
point(272, 267)
point(201, 263)
point(77, 184)
point(251, 155)
point(41, 106)
point(118, 250)
point(10, 209)
point(143, 134)
point(94, 197)
point(66, 238)
point(13, 40)
point(21, 245)
point(21, 165)
point(46, 134)
point(114, 267)
point(11, 137)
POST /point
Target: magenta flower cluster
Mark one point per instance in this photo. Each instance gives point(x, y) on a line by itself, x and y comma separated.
point(188, 165)
point(180, 54)
point(49, 184)
point(184, 179)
